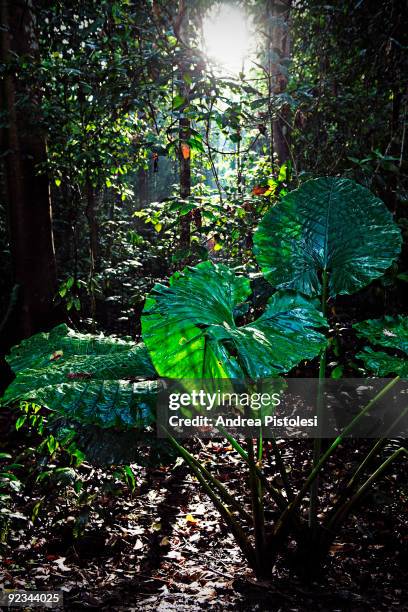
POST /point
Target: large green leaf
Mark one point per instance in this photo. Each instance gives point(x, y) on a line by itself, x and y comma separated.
point(61, 343)
point(125, 365)
point(328, 224)
point(106, 403)
point(90, 379)
point(190, 330)
point(113, 446)
point(388, 333)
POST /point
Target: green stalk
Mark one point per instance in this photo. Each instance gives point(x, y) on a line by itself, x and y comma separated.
point(345, 510)
point(234, 526)
point(317, 447)
point(366, 461)
point(235, 445)
point(289, 511)
point(278, 498)
point(282, 470)
point(260, 446)
point(222, 491)
point(261, 488)
point(257, 509)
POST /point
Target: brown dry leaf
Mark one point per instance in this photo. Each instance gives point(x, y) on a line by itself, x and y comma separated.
point(340, 547)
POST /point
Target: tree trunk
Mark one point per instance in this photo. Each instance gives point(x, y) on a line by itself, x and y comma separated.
point(185, 182)
point(143, 187)
point(279, 11)
point(28, 194)
point(91, 216)
point(182, 31)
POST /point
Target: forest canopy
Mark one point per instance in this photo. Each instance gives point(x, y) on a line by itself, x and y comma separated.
point(160, 133)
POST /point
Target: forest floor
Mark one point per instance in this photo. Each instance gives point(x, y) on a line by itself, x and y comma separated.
point(164, 547)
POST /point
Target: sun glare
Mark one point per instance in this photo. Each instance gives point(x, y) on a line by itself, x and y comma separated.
point(227, 37)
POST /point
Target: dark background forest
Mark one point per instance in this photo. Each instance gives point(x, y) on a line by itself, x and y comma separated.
point(94, 114)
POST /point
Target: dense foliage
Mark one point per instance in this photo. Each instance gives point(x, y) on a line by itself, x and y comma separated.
point(113, 81)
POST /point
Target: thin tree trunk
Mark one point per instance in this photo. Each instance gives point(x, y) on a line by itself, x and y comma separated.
point(91, 215)
point(28, 194)
point(181, 28)
point(143, 187)
point(185, 182)
point(280, 45)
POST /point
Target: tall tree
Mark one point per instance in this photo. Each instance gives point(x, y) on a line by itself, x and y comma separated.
point(28, 194)
point(279, 54)
point(181, 29)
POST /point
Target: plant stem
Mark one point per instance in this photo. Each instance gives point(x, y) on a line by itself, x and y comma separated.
point(224, 494)
point(282, 470)
point(289, 511)
point(222, 491)
point(257, 510)
point(317, 447)
point(260, 446)
point(367, 459)
point(278, 498)
point(345, 510)
point(236, 529)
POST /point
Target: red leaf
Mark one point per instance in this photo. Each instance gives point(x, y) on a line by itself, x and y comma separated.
point(259, 190)
point(185, 150)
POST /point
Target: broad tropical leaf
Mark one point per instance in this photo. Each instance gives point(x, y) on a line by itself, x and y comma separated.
point(190, 330)
point(113, 446)
point(106, 403)
point(91, 379)
point(389, 333)
point(61, 343)
point(330, 224)
point(127, 365)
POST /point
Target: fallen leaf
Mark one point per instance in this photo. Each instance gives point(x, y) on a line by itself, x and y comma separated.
point(190, 520)
point(61, 565)
point(174, 554)
point(138, 544)
point(156, 526)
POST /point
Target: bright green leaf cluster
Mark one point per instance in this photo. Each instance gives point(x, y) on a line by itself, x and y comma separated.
point(190, 330)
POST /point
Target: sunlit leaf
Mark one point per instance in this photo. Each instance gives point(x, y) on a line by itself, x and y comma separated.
point(96, 379)
point(330, 224)
point(178, 102)
point(190, 329)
